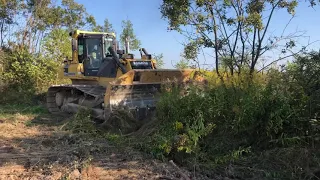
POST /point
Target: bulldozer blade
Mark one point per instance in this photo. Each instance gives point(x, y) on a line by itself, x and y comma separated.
point(139, 90)
point(139, 98)
point(133, 96)
point(152, 76)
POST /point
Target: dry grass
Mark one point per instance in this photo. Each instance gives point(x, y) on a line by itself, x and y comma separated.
point(34, 146)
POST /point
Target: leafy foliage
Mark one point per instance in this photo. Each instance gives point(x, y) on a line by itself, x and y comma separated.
point(159, 60)
point(128, 33)
point(238, 120)
point(182, 64)
point(33, 49)
point(82, 124)
point(57, 45)
point(304, 70)
point(107, 27)
point(41, 17)
point(75, 15)
point(8, 9)
point(236, 31)
point(26, 74)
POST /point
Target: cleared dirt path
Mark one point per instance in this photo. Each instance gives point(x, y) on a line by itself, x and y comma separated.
point(36, 147)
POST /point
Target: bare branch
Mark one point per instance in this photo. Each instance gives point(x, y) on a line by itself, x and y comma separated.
point(225, 31)
point(260, 39)
point(293, 54)
point(269, 19)
point(287, 25)
point(278, 40)
point(253, 44)
point(215, 37)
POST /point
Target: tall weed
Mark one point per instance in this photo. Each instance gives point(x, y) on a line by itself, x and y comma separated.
point(225, 122)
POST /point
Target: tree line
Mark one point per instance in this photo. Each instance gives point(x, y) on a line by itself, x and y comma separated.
point(253, 120)
point(235, 33)
point(42, 26)
point(34, 41)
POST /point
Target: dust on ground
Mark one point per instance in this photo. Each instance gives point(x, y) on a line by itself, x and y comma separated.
point(36, 147)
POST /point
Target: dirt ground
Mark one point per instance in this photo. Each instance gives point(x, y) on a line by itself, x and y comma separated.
point(36, 147)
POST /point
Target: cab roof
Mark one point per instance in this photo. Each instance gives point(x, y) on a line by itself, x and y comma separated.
point(75, 33)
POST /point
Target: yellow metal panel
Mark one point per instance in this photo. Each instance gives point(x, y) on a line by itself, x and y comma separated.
point(125, 79)
point(156, 76)
point(103, 81)
point(160, 76)
point(77, 32)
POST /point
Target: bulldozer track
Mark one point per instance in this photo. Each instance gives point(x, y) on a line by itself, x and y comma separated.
point(51, 102)
point(91, 90)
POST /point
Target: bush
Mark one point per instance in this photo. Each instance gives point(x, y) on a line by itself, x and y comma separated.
point(230, 120)
point(304, 71)
point(82, 123)
point(26, 75)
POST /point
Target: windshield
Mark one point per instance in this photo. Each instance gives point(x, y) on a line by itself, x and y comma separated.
point(108, 43)
point(95, 52)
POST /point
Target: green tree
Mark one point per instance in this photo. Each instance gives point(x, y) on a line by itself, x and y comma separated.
point(56, 45)
point(128, 33)
point(8, 9)
point(107, 27)
point(159, 60)
point(97, 28)
point(43, 16)
point(232, 29)
point(182, 64)
point(30, 59)
point(26, 74)
point(75, 15)
point(305, 71)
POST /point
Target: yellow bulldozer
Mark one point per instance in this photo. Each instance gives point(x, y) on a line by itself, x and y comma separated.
point(105, 78)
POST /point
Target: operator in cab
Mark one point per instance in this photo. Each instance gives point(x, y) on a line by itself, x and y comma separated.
point(94, 55)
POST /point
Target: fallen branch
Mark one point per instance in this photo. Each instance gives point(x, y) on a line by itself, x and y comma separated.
point(179, 170)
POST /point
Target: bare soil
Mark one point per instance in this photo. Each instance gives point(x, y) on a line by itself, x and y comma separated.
point(36, 147)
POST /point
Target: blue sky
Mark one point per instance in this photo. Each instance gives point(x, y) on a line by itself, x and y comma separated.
point(152, 30)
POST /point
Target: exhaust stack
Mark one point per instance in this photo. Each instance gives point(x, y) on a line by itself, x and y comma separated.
point(127, 44)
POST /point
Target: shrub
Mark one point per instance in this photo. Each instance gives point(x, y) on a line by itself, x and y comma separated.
point(82, 123)
point(225, 122)
point(25, 75)
point(304, 71)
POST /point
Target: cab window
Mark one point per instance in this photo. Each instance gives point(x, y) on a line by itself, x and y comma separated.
point(108, 43)
point(80, 50)
point(94, 52)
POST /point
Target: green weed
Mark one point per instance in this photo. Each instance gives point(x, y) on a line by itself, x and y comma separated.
point(82, 123)
point(238, 120)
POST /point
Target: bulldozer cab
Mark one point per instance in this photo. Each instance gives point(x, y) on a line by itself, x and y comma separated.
point(97, 54)
point(92, 52)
